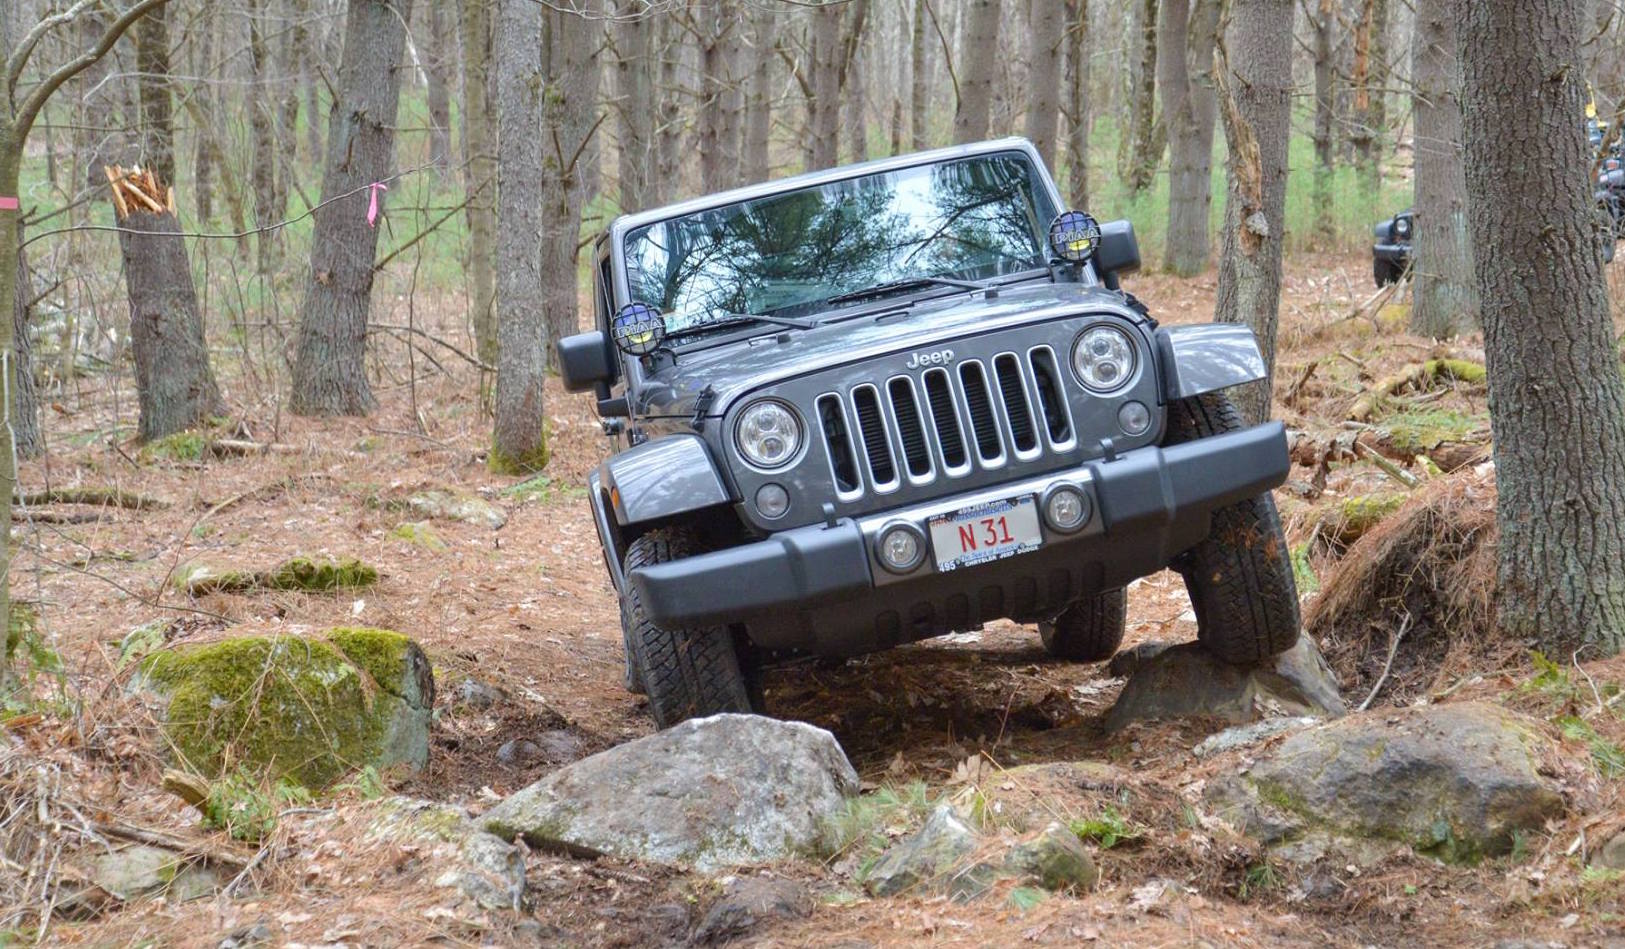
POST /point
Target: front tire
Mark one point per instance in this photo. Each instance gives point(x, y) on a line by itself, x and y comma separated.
point(1089, 630)
point(1384, 272)
point(1240, 577)
point(686, 672)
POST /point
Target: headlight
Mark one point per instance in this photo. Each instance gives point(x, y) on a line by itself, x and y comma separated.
point(768, 434)
point(1104, 358)
point(1402, 227)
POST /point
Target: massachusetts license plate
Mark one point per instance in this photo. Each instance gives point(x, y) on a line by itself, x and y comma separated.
point(986, 532)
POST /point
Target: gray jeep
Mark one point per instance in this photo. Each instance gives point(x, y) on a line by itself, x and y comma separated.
point(867, 406)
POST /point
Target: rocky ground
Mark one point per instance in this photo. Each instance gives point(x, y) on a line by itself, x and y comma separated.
point(964, 791)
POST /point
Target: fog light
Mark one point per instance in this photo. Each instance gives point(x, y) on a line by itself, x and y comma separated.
point(772, 501)
point(1066, 508)
point(1134, 418)
point(901, 547)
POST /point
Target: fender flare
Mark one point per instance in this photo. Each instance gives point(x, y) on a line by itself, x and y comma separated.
point(1206, 358)
point(658, 479)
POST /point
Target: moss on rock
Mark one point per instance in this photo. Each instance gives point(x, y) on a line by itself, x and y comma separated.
point(503, 463)
point(181, 446)
point(419, 534)
point(308, 709)
point(297, 573)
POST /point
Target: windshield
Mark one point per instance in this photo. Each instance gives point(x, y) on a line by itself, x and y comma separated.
point(970, 219)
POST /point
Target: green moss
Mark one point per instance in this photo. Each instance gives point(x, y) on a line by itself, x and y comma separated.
point(181, 446)
point(1303, 572)
point(503, 463)
point(298, 573)
point(290, 707)
point(537, 488)
point(1458, 369)
point(1416, 432)
point(419, 534)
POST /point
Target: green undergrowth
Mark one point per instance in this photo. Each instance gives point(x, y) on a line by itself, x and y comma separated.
point(866, 825)
point(1108, 829)
point(29, 663)
point(189, 445)
point(245, 805)
point(419, 534)
point(1562, 689)
point(1418, 430)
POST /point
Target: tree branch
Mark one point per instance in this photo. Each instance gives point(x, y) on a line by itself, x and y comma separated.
point(23, 121)
point(25, 47)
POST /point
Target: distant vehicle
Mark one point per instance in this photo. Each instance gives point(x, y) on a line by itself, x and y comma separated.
point(885, 402)
point(1391, 254)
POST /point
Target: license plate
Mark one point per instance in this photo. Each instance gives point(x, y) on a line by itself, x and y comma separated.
point(984, 533)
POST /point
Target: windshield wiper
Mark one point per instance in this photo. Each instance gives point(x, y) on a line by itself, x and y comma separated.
point(902, 286)
point(742, 319)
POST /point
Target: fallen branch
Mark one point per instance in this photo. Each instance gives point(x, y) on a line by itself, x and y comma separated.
point(156, 838)
point(1393, 650)
point(98, 497)
point(1388, 468)
point(19, 516)
point(1417, 376)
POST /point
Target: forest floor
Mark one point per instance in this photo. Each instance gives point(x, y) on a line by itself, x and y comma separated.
point(528, 610)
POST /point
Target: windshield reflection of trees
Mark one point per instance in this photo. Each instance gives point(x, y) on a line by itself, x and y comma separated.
point(976, 218)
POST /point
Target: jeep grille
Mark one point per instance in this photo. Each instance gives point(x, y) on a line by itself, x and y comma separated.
point(916, 426)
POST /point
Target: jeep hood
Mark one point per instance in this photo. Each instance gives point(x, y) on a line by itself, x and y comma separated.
point(736, 369)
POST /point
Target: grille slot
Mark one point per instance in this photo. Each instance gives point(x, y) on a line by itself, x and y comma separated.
point(1016, 410)
point(916, 454)
point(939, 393)
point(872, 429)
point(842, 465)
point(984, 427)
point(1051, 397)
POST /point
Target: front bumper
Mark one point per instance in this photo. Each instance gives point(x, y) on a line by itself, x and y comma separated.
point(819, 588)
point(1398, 254)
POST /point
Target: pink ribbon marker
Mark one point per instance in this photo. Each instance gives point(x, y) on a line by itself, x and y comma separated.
point(9, 204)
point(372, 203)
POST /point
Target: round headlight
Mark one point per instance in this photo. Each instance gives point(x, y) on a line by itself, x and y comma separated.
point(768, 434)
point(1402, 226)
point(901, 547)
point(1104, 358)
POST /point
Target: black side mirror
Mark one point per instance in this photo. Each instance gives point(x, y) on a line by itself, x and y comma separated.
point(1119, 251)
point(585, 362)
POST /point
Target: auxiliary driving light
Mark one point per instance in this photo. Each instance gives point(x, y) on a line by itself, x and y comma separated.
point(1134, 418)
point(772, 501)
point(1074, 236)
point(638, 329)
point(901, 547)
point(1066, 508)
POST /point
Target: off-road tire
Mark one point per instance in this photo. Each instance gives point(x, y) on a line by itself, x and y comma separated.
point(1240, 577)
point(630, 677)
point(687, 672)
point(1089, 630)
point(1385, 272)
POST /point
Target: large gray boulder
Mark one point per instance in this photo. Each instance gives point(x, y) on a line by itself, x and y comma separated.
point(1456, 781)
point(1185, 681)
point(710, 793)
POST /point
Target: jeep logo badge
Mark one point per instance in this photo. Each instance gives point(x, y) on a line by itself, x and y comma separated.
point(941, 357)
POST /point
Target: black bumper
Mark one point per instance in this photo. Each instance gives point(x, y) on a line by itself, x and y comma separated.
point(814, 588)
point(1398, 254)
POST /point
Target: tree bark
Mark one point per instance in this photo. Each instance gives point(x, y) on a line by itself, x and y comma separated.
point(1046, 32)
point(262, 130)
point(755, 158)
point(157, 109)
point(440, 61)
point(480, 174)
point(721, 99)
point(569, 103)
point(1443, 299)
point(1145, 132)
point(173, 382)
point(919, 93)
point(978, 60)
point(25, 396)
point(1255, 94)
point(1370, 75)
point(1077, 100)
point(1322, 23)
point(1557, 401)
point(295, 52)
point(667, 131)
point(633, 35)
point(1186, 66)
point(329, 374)
point(519, 436)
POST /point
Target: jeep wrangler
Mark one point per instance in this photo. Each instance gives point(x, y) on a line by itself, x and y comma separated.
point(867, 406)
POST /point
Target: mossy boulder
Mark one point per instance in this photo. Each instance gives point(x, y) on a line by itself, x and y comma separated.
point(443, 505)
point(297, 573)
point(419, 534)
point(309, 709)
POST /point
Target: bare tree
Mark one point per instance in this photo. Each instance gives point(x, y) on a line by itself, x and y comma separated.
point(717, 28)
point(1557, 401)
point(1322, 24)
point(569, 123)
point(1186, 78)
point(837, 28)
point(439, 62)
point(157, 108)
point(1444, 302)
point(329, 373)
point(977, 66)
point(1369, 75)
point(756, 163)
point(480, 174)
point(919, 97)
point(633, 42)
point(1145, 134)
point(1045, 34)
point(262, 125)
point(1255, 96)
point(1077, 102)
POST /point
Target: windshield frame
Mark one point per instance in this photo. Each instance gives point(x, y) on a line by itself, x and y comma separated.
point(626, 224)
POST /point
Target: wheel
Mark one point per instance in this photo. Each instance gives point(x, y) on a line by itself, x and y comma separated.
point(1384, 272)
point(1089, 630)
point(687, 673)
point(629, 674)
point(1240, 578)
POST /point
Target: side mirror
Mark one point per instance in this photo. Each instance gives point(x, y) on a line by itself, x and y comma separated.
point(585, 362)
point(1119, 251)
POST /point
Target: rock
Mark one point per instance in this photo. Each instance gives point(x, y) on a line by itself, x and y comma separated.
point(453, 507)
point(298, 573)
point(135, 871)
point(1455, 781)
point(710, 793)
point(559, 744)
point(254, 934)
point(492, 874)
point(307, 709)
point(747, 903)
point(1124, 663)
point(1055, 859)
point(419, 534)
point(1612, 854)
point(518, 752)
point(479, 695)
point(1242, 736)
point(929, 858)
point(486, 869)
point(1184, 681)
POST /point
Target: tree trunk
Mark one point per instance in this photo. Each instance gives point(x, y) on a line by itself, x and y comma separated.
point(173, 382)
point(1370, 75)
point(1255, 94)
point(721, 100)
point(825, 105)
point(157, 109)
point(919, 93)
point(1557, 402)
point(755, 159)
point(1444, 302)
point(1186, 65)
point(1046, 32)
point(480, 175)
point(519, 438)
point(978, 60)
point(25, 396)
point(204, 145)
point(633, 35)
point(1145, 133)
point(1077, 101)
point(441, 59)
point(11, 154)
point(856, 100)
point(329, 375)
point(295, 51)
point(1322, 23)
point(569, 103)
point(262, 129)
point(664, 185)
